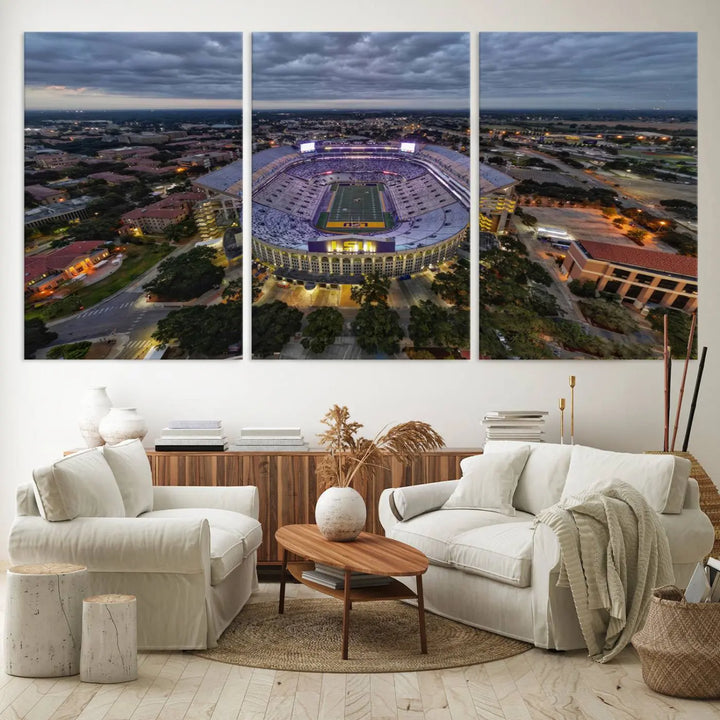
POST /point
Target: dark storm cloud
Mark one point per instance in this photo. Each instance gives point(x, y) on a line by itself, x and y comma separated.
point(388, 67)
point(588, 70)
point(165, 65)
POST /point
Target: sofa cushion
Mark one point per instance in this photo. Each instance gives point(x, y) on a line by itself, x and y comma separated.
point(227, 551)
point(502, 552)
point(541, 482)
point(662, 479)
point(233, 536)
point(131, 468)
point(79, 485)
point(489, 481)
point(434, 533)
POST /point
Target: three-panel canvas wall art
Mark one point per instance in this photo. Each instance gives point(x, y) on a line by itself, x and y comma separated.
point(371, 203)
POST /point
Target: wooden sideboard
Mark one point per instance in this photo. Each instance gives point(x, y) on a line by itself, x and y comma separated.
point(287, 484)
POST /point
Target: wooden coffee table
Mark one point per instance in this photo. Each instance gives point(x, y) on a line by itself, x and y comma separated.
point(368, 553)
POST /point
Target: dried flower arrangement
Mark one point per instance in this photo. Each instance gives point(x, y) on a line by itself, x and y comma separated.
point(351, 457)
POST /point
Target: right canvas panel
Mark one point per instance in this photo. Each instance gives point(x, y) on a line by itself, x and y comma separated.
point(588, 194)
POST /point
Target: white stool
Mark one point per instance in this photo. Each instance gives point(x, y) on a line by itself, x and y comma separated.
point(109, 639)
point(43, 619)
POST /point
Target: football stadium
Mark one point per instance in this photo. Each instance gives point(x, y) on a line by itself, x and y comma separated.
point(336, 211)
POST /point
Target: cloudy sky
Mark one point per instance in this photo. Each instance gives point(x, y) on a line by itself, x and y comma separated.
point(361, 70)
point(588, 70)
point(85, 71)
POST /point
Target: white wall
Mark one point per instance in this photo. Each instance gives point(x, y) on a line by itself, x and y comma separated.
point(618, 403)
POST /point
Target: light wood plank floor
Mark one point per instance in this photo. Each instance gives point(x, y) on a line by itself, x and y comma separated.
point(176, 686)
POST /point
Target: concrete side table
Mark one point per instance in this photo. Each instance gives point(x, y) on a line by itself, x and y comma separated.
point(109, 639)
point(43, 619)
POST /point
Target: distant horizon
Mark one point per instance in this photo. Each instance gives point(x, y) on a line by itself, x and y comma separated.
point(398, 109)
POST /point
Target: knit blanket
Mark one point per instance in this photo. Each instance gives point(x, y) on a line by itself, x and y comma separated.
point(614, 552)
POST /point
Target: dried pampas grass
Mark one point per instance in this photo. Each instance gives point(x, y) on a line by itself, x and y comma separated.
point(352, 458)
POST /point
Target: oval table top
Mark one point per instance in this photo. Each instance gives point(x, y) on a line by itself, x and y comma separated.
point(368, 553)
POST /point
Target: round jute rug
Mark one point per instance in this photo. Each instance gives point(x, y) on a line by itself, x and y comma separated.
point(384, 637)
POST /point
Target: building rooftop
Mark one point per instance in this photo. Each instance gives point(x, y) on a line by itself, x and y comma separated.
point(640, 258)
point(226, 179)
point(492, 179)
point(40, 191)
point(37, 265)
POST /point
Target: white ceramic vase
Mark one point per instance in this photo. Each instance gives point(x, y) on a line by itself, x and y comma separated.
point(122, 424)
point(340, 513)
point(95, 407)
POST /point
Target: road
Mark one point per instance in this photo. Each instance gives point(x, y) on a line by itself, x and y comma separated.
point(126, 317)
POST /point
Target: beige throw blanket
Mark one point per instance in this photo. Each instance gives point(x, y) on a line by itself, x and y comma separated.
point(614, 552)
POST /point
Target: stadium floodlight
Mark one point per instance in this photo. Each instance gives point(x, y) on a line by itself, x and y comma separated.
point(407, 147)
point(307, 147)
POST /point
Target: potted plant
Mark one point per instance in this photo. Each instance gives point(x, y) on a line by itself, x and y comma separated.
point(340, 510)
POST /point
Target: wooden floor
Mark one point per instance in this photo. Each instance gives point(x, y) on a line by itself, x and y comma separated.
point(178, 686)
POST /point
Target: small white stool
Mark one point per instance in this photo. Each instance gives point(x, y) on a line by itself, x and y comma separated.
point(109, 639)
point(43, 619)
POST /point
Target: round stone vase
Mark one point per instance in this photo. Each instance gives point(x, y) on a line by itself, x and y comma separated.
point(122, 424)
point(340, 513)
point(95, 406)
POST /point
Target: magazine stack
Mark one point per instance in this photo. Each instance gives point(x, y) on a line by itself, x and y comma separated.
point(527, 425)
point(334, 577)
point(264, 439)
point(192, 436)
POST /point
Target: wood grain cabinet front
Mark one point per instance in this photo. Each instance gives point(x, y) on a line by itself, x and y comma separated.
point(287, 484)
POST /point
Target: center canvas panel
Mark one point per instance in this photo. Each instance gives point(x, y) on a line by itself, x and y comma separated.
point(360, 197)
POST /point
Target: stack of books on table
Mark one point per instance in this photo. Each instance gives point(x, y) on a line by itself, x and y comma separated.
point(264, 439)
point(192, 436)
point(515, 425)
point(334, 577)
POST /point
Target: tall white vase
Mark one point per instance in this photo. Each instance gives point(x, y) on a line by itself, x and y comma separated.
point(122, 424)
point(95, 406)
point(340, 513)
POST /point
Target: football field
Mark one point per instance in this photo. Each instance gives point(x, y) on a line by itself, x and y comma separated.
point(356, 206)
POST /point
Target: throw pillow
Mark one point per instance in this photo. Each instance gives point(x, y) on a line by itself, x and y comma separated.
point(542, 480)
point(131, 468)
point(489, 481)
point(79, 485)
point(662, 479)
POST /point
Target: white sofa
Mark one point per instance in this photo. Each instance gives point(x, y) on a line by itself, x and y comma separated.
point(187, 553)
point(498, 572)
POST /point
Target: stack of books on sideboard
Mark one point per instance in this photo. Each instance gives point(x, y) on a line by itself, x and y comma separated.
point(525, 425)
point(192, 436)
point(264, 439)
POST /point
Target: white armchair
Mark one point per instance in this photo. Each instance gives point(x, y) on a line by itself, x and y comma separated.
point(190, 560)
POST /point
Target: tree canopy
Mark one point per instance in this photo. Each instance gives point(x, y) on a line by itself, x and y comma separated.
point(36, 336)
point(201, 330)
point(374, 290)
point(453, 286)
point(432, 325)
point(273, 324)
point(322, 327)
point(186, 276)
point(377, 329)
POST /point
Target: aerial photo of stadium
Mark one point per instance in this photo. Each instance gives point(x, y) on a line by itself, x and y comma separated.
point(335, 212)
point(360, 197)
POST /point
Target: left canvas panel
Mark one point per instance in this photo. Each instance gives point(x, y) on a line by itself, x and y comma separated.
point(133, 245)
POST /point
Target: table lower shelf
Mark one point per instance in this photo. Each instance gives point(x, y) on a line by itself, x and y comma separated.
point(394, 590)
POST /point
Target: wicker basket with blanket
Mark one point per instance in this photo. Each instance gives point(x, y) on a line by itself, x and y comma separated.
point(679, 646)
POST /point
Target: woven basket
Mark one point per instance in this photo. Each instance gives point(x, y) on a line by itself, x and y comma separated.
point(679, 646)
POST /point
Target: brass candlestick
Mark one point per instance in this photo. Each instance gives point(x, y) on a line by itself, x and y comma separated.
point(572, 409)
point(561, 405)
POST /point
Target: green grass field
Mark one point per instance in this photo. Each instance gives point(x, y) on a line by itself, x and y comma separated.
point(356, 203)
